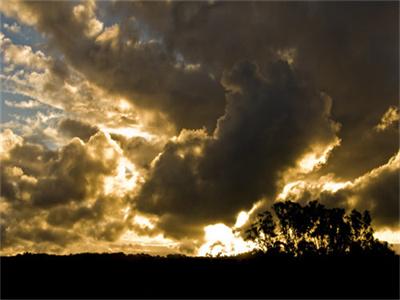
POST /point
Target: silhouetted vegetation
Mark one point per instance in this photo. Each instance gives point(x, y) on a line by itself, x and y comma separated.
point(314, 229)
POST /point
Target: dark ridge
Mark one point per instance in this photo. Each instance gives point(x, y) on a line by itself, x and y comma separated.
point(118, 275)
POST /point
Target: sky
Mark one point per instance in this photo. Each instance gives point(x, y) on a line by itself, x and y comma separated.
point(163, 127)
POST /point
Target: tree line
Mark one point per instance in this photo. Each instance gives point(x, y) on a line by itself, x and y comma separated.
point(314, 229)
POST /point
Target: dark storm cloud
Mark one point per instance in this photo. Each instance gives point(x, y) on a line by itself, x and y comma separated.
point(75, 128)
point(386, 212)
point(381, 196)
point(378, 191)
point(349, 50)
point(268, 123)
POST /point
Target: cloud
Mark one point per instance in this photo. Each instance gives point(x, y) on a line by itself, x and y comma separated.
point(208, 107)
point(56, 199)
point(22, 104)
point(376, 191)
point(14, 28)
point(189, 98)
point(74, 128)
point(16, 10)
point(70, 174)
point(73, 176)
point(86, 13)
point(56, 88)
point(389, 117)
point(139, 150)
point(333, 44)
point(22, 55)
point(200, 179)
point(8, 141)
point(183, 32)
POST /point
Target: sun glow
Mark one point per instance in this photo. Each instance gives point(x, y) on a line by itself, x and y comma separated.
point(224, 240)
point(124, 105)
point(143, 222)
point(392, 237)
point(125, 180)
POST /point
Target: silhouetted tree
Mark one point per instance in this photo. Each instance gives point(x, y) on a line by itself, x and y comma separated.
point(314, 229)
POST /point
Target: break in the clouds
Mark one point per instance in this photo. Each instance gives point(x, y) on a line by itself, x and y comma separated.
point(147, 126)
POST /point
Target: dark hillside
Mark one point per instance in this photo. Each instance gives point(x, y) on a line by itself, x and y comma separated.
point(143, 276)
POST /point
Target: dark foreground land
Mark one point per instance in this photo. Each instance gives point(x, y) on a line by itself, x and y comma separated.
point(142, 276)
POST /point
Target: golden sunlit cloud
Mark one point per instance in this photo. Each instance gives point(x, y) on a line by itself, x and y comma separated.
point(391, 116)
point(290, 188)
point(8, 140)
point(333, 186)
point(317, 157)
point(288, 55)
point(293, 190)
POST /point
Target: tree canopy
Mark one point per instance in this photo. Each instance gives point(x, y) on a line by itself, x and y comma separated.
point(314, 229)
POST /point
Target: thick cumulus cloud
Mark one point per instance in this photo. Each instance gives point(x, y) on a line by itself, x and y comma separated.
point(269, 122)
point(54, 198)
